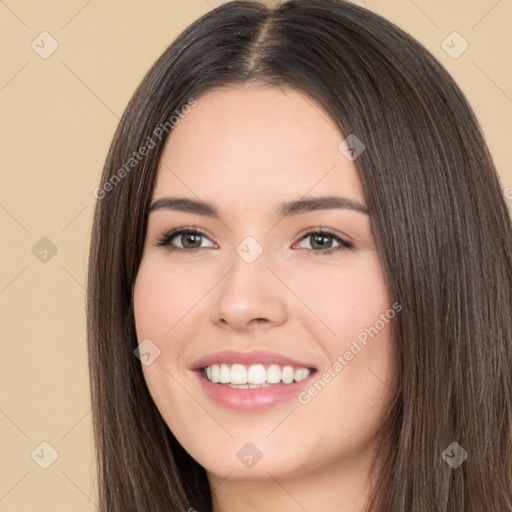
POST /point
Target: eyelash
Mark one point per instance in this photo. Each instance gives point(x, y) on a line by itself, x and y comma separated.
point(167, 237)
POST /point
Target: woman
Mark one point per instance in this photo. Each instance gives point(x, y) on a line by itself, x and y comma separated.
point(300, 277)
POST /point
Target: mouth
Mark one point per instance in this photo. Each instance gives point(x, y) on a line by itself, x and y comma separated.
point(255, 376)
point(251, 381)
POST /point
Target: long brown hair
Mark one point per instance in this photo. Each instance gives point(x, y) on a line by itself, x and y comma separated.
point(442, 229)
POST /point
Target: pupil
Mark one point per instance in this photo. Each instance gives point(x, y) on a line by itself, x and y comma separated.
point(191, 236)
point(321, 244)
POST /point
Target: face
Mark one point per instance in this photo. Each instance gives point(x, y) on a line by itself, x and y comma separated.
point(266, 328)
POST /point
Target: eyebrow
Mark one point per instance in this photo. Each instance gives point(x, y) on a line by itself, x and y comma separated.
point(198, 207)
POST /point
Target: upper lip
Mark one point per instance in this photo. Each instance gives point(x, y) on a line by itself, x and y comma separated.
point(248, 358)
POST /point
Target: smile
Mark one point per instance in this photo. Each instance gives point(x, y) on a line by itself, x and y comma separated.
point(254, 376)
point(251, 381)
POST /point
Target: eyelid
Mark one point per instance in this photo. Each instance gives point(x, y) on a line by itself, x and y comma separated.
point(327, 231)
point(344, 241)
point(167, 236)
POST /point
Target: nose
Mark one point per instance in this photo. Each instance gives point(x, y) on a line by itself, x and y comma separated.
point(249, 296)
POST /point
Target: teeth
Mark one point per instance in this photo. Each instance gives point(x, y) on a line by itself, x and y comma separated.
point(288, 373)
point(224, 374)
point(254, 376)
point(274, 374)
point(249, 386)
point(301, 374)
point(215, 373)
point(238, 374)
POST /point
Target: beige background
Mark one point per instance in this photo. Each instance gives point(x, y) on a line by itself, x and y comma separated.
point(58, 116)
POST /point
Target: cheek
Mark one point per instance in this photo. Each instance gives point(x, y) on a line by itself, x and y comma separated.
point(164, 298)
point(168, 308)
point(352, 323)
point(346, 298)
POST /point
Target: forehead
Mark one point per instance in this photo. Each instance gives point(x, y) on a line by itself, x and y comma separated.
point(252, 146)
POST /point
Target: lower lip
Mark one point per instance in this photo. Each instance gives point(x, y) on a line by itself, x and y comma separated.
point(251, 400)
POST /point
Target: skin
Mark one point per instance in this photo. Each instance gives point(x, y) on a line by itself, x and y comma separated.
point(247, 149)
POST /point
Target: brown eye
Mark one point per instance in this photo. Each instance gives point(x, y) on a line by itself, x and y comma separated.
point(321, 242)
point(189, 238)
